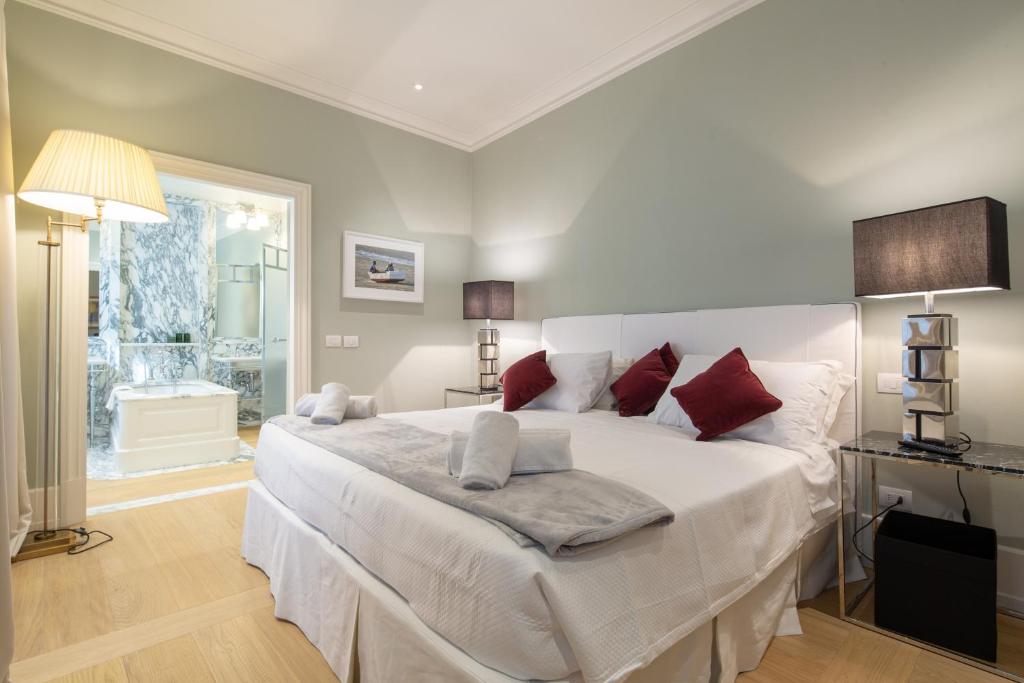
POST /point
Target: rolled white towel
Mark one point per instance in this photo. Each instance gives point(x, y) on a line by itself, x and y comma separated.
point(306, 404)
point(538, 450)
point(359, 407)
point(330, 407)
point(490, 450)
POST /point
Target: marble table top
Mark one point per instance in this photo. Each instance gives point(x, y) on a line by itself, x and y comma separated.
point(990, 457)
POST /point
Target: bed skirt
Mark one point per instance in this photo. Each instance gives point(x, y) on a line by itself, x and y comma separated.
point(368, 633)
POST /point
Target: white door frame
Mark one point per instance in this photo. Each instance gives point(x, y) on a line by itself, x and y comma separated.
point(73, 377)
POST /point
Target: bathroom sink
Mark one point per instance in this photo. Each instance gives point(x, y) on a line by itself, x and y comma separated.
point(239, 362)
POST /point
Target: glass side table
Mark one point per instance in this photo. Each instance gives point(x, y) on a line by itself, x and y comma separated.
point(483, 396)
point(856, 600)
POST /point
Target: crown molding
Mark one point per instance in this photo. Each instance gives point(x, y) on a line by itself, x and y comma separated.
point(144, 29)
point(694, 18)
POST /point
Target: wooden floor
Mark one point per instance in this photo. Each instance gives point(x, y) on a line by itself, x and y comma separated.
point(109, 491)
point(171, 600)
point(1009, 630)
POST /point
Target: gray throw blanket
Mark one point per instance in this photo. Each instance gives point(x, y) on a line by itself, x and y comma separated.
point(565, 512)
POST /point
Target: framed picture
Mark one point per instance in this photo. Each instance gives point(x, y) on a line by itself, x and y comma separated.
point(381, 268)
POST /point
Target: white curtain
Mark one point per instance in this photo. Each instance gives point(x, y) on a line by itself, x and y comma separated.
point(15, 512)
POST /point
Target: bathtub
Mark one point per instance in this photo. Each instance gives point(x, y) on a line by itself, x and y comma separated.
point(172, 424)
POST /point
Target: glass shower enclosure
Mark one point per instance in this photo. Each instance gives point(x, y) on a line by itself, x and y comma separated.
point(274, 314)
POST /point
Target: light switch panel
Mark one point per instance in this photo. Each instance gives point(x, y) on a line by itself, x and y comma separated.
point(889, 383)
point(332, 341)
point(351, 342)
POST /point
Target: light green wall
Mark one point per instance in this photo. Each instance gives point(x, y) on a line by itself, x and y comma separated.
point(365, 176)
point(727, 172)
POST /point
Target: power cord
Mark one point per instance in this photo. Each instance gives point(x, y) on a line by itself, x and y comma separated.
point(84, 546)
point(863, 555)
point(964, 446)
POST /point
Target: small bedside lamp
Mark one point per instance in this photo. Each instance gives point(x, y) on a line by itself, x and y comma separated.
point(945, 249)
point(488, 300)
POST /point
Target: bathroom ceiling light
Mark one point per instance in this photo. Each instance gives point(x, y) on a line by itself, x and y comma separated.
point(417, 87)
point(257, 221)
point(236, 219)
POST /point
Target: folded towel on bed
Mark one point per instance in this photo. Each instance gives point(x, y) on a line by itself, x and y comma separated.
point(539, 450)
point(565, 512)
point(358, 408)
point(330, 407)
point(361, 408)
point(490, 450)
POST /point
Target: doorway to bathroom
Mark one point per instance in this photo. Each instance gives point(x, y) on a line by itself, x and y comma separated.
point(195, 336)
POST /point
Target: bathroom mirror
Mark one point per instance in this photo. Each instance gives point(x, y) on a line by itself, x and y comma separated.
point(238, 300)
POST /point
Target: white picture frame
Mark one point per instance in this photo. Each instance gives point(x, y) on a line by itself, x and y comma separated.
point(361, 250)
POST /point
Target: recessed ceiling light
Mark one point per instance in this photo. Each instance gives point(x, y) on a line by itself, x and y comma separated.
point(417, 86)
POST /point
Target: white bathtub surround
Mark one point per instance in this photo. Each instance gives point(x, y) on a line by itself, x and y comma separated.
point(169, 424)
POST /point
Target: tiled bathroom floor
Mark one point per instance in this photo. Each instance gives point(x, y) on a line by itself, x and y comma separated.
point(100, 464)
point(108, 490)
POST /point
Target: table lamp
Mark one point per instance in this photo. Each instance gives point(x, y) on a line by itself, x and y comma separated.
point(488, 300)
point(95, 177)
point(944, 249)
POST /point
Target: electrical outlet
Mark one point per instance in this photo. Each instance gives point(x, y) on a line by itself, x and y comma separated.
point(889, 383)
point(888, 495)
point(351, 342)
point(332, 341)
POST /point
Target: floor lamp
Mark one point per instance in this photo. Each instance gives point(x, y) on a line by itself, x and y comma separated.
point(95, 177)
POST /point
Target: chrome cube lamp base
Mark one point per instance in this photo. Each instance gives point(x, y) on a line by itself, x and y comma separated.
point(931, 393)
point(488, 340)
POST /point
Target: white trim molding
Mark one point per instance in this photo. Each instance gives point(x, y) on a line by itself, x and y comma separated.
point(74, 280)
point(299, 248)
point(690, 20)
point(73, 373)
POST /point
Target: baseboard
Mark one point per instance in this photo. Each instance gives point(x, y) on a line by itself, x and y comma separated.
point(1010, 573)
point(71, 505)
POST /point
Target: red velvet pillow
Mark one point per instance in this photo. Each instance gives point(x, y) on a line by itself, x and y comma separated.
point(725, 396)
point(640, 387)
point(525, 380)
point(669, 359)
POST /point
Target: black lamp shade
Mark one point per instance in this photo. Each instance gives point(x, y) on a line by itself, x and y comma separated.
point(961, 245)
point(491, 299)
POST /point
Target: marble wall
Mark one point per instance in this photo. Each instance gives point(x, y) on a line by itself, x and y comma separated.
point(244, 377)
point(157, 280)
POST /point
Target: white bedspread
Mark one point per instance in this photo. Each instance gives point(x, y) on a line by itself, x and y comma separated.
point(741, 509)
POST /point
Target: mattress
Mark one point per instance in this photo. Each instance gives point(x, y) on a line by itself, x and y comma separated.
point(741, 509)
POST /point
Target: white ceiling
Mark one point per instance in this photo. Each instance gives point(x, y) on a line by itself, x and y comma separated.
point(487, 66)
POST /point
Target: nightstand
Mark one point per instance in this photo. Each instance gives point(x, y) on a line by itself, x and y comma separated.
point(875, 447)
point(483, 396)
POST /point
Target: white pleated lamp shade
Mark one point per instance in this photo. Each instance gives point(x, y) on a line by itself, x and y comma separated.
point(76, 168)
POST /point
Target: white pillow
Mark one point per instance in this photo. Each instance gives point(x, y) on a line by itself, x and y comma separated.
point(606, 401)
point(580, 379)
point(810, 395)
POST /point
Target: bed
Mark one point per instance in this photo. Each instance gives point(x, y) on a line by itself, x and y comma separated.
point(390, 584)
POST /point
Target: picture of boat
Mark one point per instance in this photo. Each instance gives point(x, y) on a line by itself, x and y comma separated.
point(383, 268)
point(391, 276)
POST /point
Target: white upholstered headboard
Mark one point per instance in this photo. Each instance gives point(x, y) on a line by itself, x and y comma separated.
point(777, 333)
